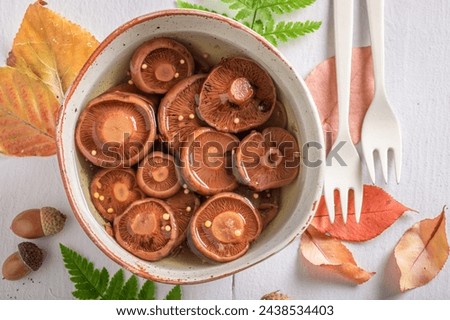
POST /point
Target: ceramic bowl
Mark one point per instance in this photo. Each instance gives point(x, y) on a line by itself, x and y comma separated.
point(219, 37)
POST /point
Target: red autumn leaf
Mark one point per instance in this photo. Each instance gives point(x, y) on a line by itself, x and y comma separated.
point(379, 211)
point(422, 252)
point(329, 253)
point(322, 84)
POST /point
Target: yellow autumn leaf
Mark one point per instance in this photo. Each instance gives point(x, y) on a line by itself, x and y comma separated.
point(51, 48)
point(28, 111)
point(331, 254)
point(422, 252)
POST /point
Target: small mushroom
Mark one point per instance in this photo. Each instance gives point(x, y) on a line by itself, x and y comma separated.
point(176, 114)
point(237, 95)
point(159, 64)
point(267, 160)
point(116, 129)
point(223, 227)
point(147, 229)
point(279, 118)
point(184, 206)
point(113, 190)
point(206, 161)
point(157, 175)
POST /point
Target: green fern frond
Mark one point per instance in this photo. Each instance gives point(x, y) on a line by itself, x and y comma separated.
point(91, 283)
point(284, 31)
point(284, 6)
point(174, 294)
point(188, 5)
point(147, 291)
point(130, 289)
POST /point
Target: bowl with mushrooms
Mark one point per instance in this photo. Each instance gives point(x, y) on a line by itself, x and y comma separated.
point(189, 148)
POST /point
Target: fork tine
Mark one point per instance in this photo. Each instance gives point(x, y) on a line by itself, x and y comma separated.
point(384, 160)
point(343, 194)
point(398, 163)
point(329, 200)
point(358, 199)
point(369, 156)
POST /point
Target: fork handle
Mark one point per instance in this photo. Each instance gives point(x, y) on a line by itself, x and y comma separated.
point(375, 9)
point(343, 19)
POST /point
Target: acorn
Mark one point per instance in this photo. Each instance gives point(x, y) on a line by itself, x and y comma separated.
point(276, 295)
point(37, 223)
point(29, 257)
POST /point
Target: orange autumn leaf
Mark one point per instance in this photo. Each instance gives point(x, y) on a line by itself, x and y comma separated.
point(28, 111)
point(379, 211)
point(322, 84)
point(329, 253)
point(422, 252)
point(51, 48)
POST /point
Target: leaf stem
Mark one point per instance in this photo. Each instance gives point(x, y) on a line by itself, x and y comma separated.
point(255, 13)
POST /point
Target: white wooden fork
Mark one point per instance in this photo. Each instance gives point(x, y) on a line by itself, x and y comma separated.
point(343, 175)
point(380, 131)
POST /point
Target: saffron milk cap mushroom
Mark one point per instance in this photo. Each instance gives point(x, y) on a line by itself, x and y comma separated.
point(158, 64)
point(223, 227)
point(206, 161)
point(116, 129)
point(238, 95)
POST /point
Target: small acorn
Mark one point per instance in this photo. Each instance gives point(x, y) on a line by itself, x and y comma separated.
point(29, 257)
point(37, 223)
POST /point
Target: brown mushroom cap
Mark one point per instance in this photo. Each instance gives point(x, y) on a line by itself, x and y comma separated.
point(116, 129)
point(237, 95)
point(205, 163)
point(157, 175)
point(176, 114)
point(223, 227)
point(159, 64)
point(267, 160)
point(184, 206)
point(113, 190)
point(147, 229)
point(279, 118)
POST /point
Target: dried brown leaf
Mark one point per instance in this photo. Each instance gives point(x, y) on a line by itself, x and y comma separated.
point(422, 252)
point(329, 253)
point(28, 111)
point(322, 84)
point(51, 48)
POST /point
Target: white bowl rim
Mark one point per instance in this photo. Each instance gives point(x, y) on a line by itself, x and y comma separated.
point(317, 191)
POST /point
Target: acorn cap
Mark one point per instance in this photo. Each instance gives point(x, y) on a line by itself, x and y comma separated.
point(31, 255)
point(52, 220)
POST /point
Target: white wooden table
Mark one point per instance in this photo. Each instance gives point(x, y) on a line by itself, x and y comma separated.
point(417, 44)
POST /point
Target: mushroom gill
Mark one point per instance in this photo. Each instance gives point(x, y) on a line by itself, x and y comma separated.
point(116, 129)
point(176, 114)
point(157, 175)
point(237, 95)
point(223, 227)
point(147, 229)
point(113, 190)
